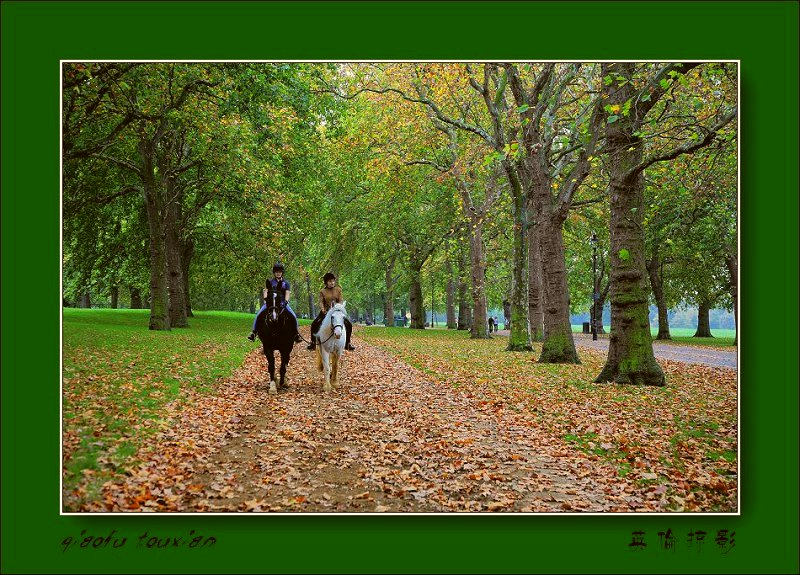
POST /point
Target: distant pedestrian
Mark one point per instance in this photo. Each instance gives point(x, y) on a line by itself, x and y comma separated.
point(491, 324)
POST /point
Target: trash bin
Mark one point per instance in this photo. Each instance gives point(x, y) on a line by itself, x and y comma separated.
point(586, 327)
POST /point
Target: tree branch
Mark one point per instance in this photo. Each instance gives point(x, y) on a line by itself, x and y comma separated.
point(687, 148)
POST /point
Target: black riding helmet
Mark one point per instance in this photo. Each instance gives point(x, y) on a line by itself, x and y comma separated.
point(328, 276)
point(278, 267)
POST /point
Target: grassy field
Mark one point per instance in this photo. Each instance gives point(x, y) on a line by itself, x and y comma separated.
point(119, 377)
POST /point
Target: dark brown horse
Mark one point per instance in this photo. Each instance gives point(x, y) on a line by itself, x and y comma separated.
point(276, 329)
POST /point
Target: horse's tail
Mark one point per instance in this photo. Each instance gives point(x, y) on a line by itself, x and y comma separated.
point(319, 358)
point(334, 366)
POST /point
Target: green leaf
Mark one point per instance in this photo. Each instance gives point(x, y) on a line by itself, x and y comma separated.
point(607, 80)
point(665, 83)
point(612, 119)
point(624, 255)
point(626, 108)
point(646, 97)
point(523, 108)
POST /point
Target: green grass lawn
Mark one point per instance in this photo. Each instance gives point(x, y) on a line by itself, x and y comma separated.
point(119, 376)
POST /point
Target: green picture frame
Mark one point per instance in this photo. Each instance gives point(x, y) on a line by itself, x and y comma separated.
point(763, 36)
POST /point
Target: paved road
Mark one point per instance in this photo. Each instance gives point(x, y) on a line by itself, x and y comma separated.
point(685, 353)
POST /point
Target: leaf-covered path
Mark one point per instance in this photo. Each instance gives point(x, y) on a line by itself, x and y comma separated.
point(388, 439)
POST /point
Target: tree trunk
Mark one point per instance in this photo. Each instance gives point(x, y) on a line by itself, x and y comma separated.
point(177, 299)
point(388, 304)
point(558, 345)
point(86, 300)
point(654, 267)
point(451, 296)
point(479, 328)
point(187, 253)
point(703, 325)
point(519, 338)
point(311, 311)
point(155, 204)
point(415, 301)
point(136, 298)
point(535, 311)
point(114, 297)
point(464, 311)
point(159, 296)
point(630, 351)
point(733, 286)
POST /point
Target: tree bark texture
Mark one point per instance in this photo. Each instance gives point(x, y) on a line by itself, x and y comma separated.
point(519, 338)
point(630, 353)
point(558, 345)
point(451, 296)
point(187, 253)
point(136, 298)
point(156, 218)
point(535, 308)
point(415, 301)
point(703, 324)
point(654, 269)
point(388, 305)
point(479, 327)
point(733, 285)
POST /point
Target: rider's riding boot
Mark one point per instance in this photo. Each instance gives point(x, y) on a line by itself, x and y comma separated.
point(252, 336)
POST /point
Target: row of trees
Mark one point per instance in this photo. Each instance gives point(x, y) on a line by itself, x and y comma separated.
point(484, 181)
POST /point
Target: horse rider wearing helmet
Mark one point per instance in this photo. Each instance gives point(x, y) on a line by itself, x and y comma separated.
point(281, 287)
point(328, 295)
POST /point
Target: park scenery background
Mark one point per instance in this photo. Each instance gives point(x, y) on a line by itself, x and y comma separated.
point(541, 195)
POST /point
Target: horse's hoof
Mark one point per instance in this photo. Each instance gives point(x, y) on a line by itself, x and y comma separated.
point(272, 389)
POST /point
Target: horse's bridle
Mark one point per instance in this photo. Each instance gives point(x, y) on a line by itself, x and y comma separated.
point(272, 307)
point(333, 329)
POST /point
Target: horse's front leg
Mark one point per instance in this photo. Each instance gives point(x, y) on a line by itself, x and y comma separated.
point(284, 364)
point(271, 361)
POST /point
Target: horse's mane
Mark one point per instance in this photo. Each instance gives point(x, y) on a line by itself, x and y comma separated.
point(337, 307)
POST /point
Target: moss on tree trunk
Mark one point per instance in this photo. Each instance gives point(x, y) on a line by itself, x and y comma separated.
point(630, 351)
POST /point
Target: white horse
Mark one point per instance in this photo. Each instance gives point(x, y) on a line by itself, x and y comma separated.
point(330, 349)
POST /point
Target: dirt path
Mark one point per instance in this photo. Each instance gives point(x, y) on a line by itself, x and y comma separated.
point(385, 440)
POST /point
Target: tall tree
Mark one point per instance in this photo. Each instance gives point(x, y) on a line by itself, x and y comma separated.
point(630, 355)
